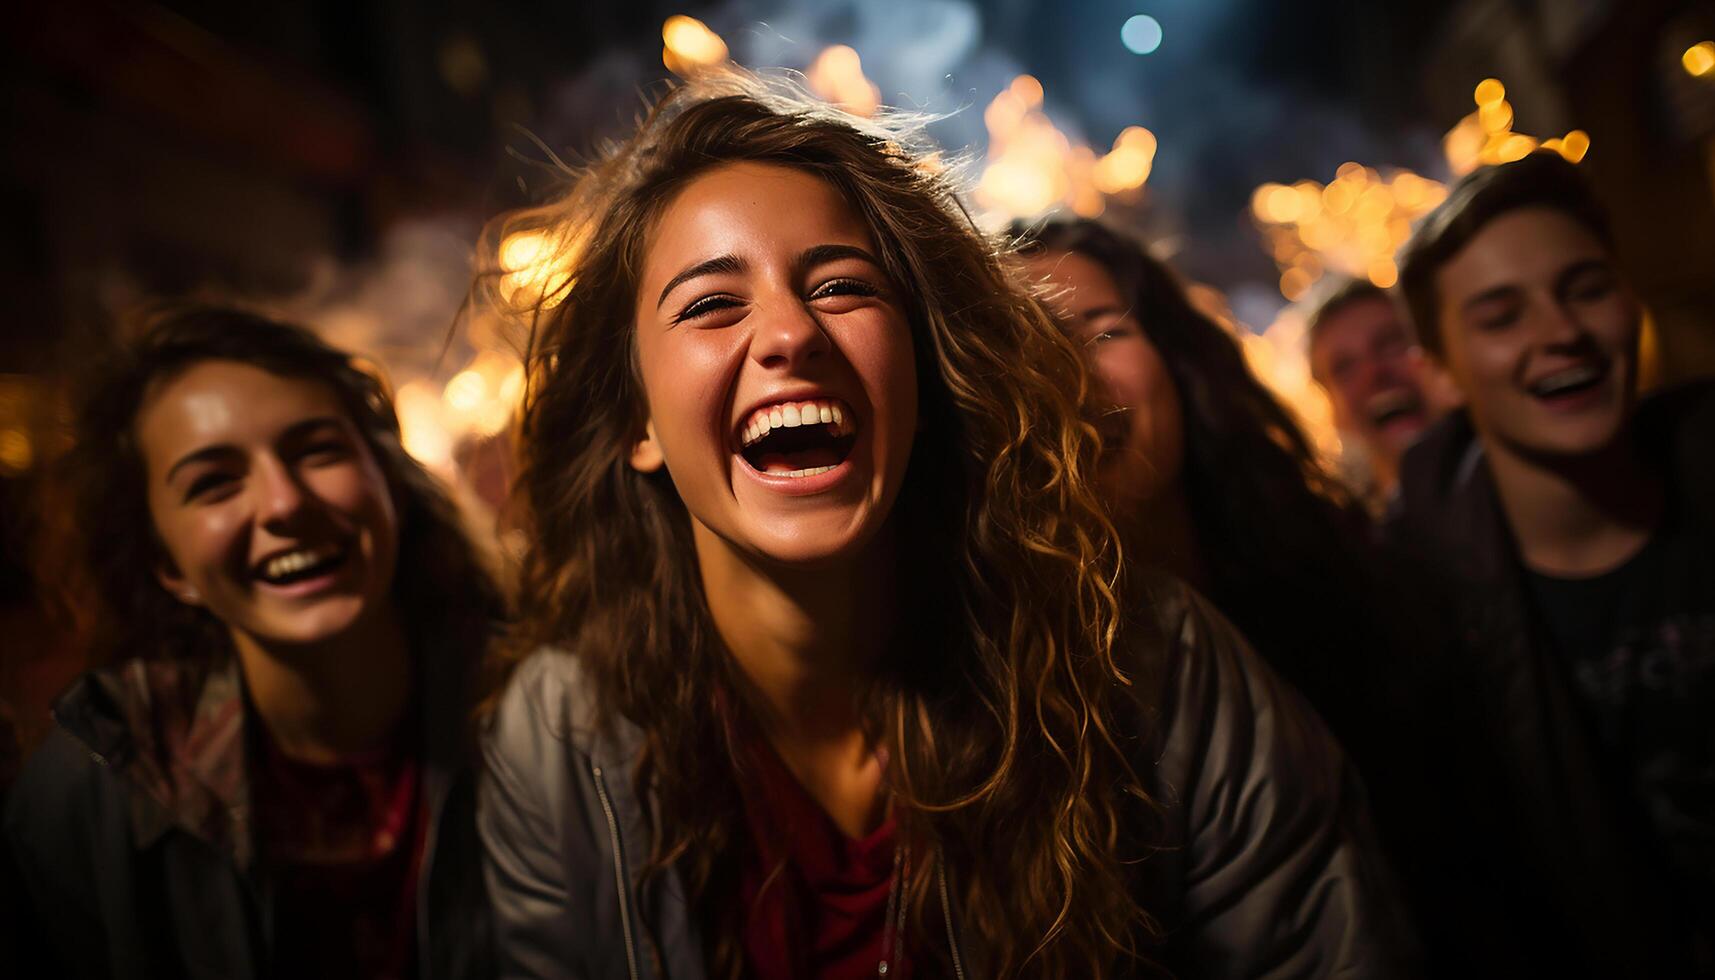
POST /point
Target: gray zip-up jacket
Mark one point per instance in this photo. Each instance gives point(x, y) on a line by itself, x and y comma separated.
point(1269, 869)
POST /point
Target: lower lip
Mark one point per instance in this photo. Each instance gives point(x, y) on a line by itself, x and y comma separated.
point(797, 486)
point(1575, 401)
point(1409, 422)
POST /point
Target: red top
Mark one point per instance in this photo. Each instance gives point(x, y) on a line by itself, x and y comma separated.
point(343, 845)
point(822, 914)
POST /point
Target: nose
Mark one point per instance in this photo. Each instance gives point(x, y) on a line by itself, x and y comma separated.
point(788, 336)
point(1559, 327)
point(279, 495)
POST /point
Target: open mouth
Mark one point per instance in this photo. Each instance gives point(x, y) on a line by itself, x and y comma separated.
point(1398, 405)
point(1568, 383)
point(799, 438)
point(300, 564)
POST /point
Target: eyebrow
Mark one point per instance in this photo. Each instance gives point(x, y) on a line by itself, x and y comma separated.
point(1489, 296)
point(718, 264)
point(1579, 268)
point(823, 254)
point(810, 258)
point(207, 453)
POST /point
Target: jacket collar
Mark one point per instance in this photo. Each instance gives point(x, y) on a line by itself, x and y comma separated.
point(175, 731)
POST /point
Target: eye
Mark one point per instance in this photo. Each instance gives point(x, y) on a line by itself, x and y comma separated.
point(846, 287)
point(326, 451)
point(1118, 330)
point(706, 305)
point(1591, 287)
point(210, 487)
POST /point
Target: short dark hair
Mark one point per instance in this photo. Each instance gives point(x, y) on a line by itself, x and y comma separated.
point(1540, 180)
point(1334, 298)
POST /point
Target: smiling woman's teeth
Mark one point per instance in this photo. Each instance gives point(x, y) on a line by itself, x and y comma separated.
point(293, 562)
point(791, 415)
point(812, 471)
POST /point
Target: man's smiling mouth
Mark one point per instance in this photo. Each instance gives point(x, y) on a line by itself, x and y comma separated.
point(798, 438)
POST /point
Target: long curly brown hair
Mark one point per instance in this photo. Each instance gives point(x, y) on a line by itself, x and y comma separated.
point(1011, 720)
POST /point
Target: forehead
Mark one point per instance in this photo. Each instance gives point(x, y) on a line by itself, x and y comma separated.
point(216, 402)
point(1357, 321)
point(752, 211)
point(1525, 245)
point(1089, 282)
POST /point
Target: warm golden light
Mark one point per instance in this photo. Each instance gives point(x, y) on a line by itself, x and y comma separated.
point(1033, 167)
point(1351, 227)
point(837, 75)
point(535, 270)
point(1486, 137)
point(690, 46)
point(16, 452)
point(1699, 59)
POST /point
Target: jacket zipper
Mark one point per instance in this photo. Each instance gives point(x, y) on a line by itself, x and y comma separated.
point(437, 808)
point(619, 877)
point(947, 915)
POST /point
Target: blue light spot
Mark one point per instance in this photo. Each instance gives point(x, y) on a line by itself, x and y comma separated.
point(1141, 34)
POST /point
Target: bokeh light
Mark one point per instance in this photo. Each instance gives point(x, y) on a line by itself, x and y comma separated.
point(1032, 167)
point(1486, 136)
point(1141, 34)
point(1699, 59)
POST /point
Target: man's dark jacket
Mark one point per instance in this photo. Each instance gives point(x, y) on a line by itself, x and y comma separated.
point(1558, 875)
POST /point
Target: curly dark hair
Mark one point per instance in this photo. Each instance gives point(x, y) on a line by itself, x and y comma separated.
point(1004, 705)
point(1284, 544)
point(104, 548)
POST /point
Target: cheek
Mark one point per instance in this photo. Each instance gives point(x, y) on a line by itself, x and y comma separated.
point(684, 384)
point(200, 542)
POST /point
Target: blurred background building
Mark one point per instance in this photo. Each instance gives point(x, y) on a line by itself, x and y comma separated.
point(336, 160)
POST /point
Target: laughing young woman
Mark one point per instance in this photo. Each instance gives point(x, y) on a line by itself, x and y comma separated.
point(822, 668)
point(269, 772)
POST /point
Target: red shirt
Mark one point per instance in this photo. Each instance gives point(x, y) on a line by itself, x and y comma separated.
point(815, 899)
point(344, 846)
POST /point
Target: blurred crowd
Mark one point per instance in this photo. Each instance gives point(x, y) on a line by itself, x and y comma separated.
point(888, 596)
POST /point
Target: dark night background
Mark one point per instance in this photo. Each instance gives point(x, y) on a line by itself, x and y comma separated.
point(341, 156)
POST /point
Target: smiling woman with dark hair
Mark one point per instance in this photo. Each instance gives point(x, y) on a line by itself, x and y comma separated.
point(822, 668)
point(267, 774)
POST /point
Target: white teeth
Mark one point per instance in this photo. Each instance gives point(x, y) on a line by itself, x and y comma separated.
point(1388, 402)
point(812, 471)
point(1569, 378)
point(794, 414)
point(296, 561)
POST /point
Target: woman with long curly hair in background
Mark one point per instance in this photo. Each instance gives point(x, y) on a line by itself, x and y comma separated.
point(822, 666)
point(1208, 477)
point(270, 770)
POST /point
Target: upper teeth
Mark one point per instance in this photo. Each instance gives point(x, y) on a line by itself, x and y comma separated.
point(790, 415)
point(1568, 378)
point(1388, 402)
point(297, 561)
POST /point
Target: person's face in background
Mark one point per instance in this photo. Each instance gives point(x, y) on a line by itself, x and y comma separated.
point(1540, 334)
point(1144, 440)
point(1361, 356)
point(271, 510)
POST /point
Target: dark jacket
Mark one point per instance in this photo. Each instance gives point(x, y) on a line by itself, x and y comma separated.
point(1267, 869)
point(131, 828)
point(1557, 852)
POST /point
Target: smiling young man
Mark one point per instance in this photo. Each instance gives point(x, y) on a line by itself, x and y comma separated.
point(1570, 525)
